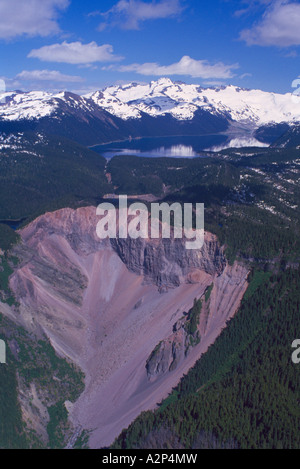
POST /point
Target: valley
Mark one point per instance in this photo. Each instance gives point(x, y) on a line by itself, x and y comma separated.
point(140, 334)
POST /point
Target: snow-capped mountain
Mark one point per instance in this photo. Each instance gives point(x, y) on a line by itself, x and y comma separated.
point(64, 114)
point(161, 108)
point(156, 99)
point(38, 104)
point(182, 101)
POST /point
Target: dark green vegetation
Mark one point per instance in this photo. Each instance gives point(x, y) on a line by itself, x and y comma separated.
point(58, 424)
point(271, 133)
point(193, 318)
point(290, 139)
point(39, 173)
point(93, 126)
point(82, 441)
point(255, 279)
point(8, 237)
point(251, 195)
point(11, 425)
point(244, 392)
point(7, 264)
point(161, 176)
point(208, 292)
point(55, 380)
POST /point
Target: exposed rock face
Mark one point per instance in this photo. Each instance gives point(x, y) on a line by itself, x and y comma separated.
point(164, 262)
point(167, 263)
point(168, 354)
point(206, 316)
point(100, 304)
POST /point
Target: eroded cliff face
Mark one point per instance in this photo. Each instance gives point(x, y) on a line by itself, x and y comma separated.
point(107, 305)
point(209, 314)
point(167, 263)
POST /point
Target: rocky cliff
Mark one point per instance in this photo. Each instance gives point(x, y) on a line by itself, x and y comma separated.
point(167, 263)
point(101, 305)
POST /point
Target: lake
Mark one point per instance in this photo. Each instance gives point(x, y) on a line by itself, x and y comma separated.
point(155, 147)
point(14, 224)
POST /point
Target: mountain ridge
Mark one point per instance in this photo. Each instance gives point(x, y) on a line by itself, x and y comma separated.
point(131, 100)
point(182, 100)
point(132, 109)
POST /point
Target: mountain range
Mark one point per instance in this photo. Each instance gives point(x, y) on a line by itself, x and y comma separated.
point(134, 343)
point(161, 108)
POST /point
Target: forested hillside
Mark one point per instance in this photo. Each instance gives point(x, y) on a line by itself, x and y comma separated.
point(244, 392)
point(33, 365)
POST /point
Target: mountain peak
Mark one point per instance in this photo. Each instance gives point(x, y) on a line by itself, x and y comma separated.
point(182, 101)
point(163, 81)
point(159, 98)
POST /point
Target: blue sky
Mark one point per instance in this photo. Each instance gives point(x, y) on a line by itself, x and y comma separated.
point(83, 46)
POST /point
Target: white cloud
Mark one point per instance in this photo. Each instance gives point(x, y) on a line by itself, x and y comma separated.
point(75, 53)
point(246, 75)
point(29, 17)
point(48, 75)
point(293, 54)
point(251, 6)
point(186, 67)
point(128, 14)
point(280, 26)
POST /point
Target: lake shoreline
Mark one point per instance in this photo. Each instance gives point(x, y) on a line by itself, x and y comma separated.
point(178, 146)
point(157, 136)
